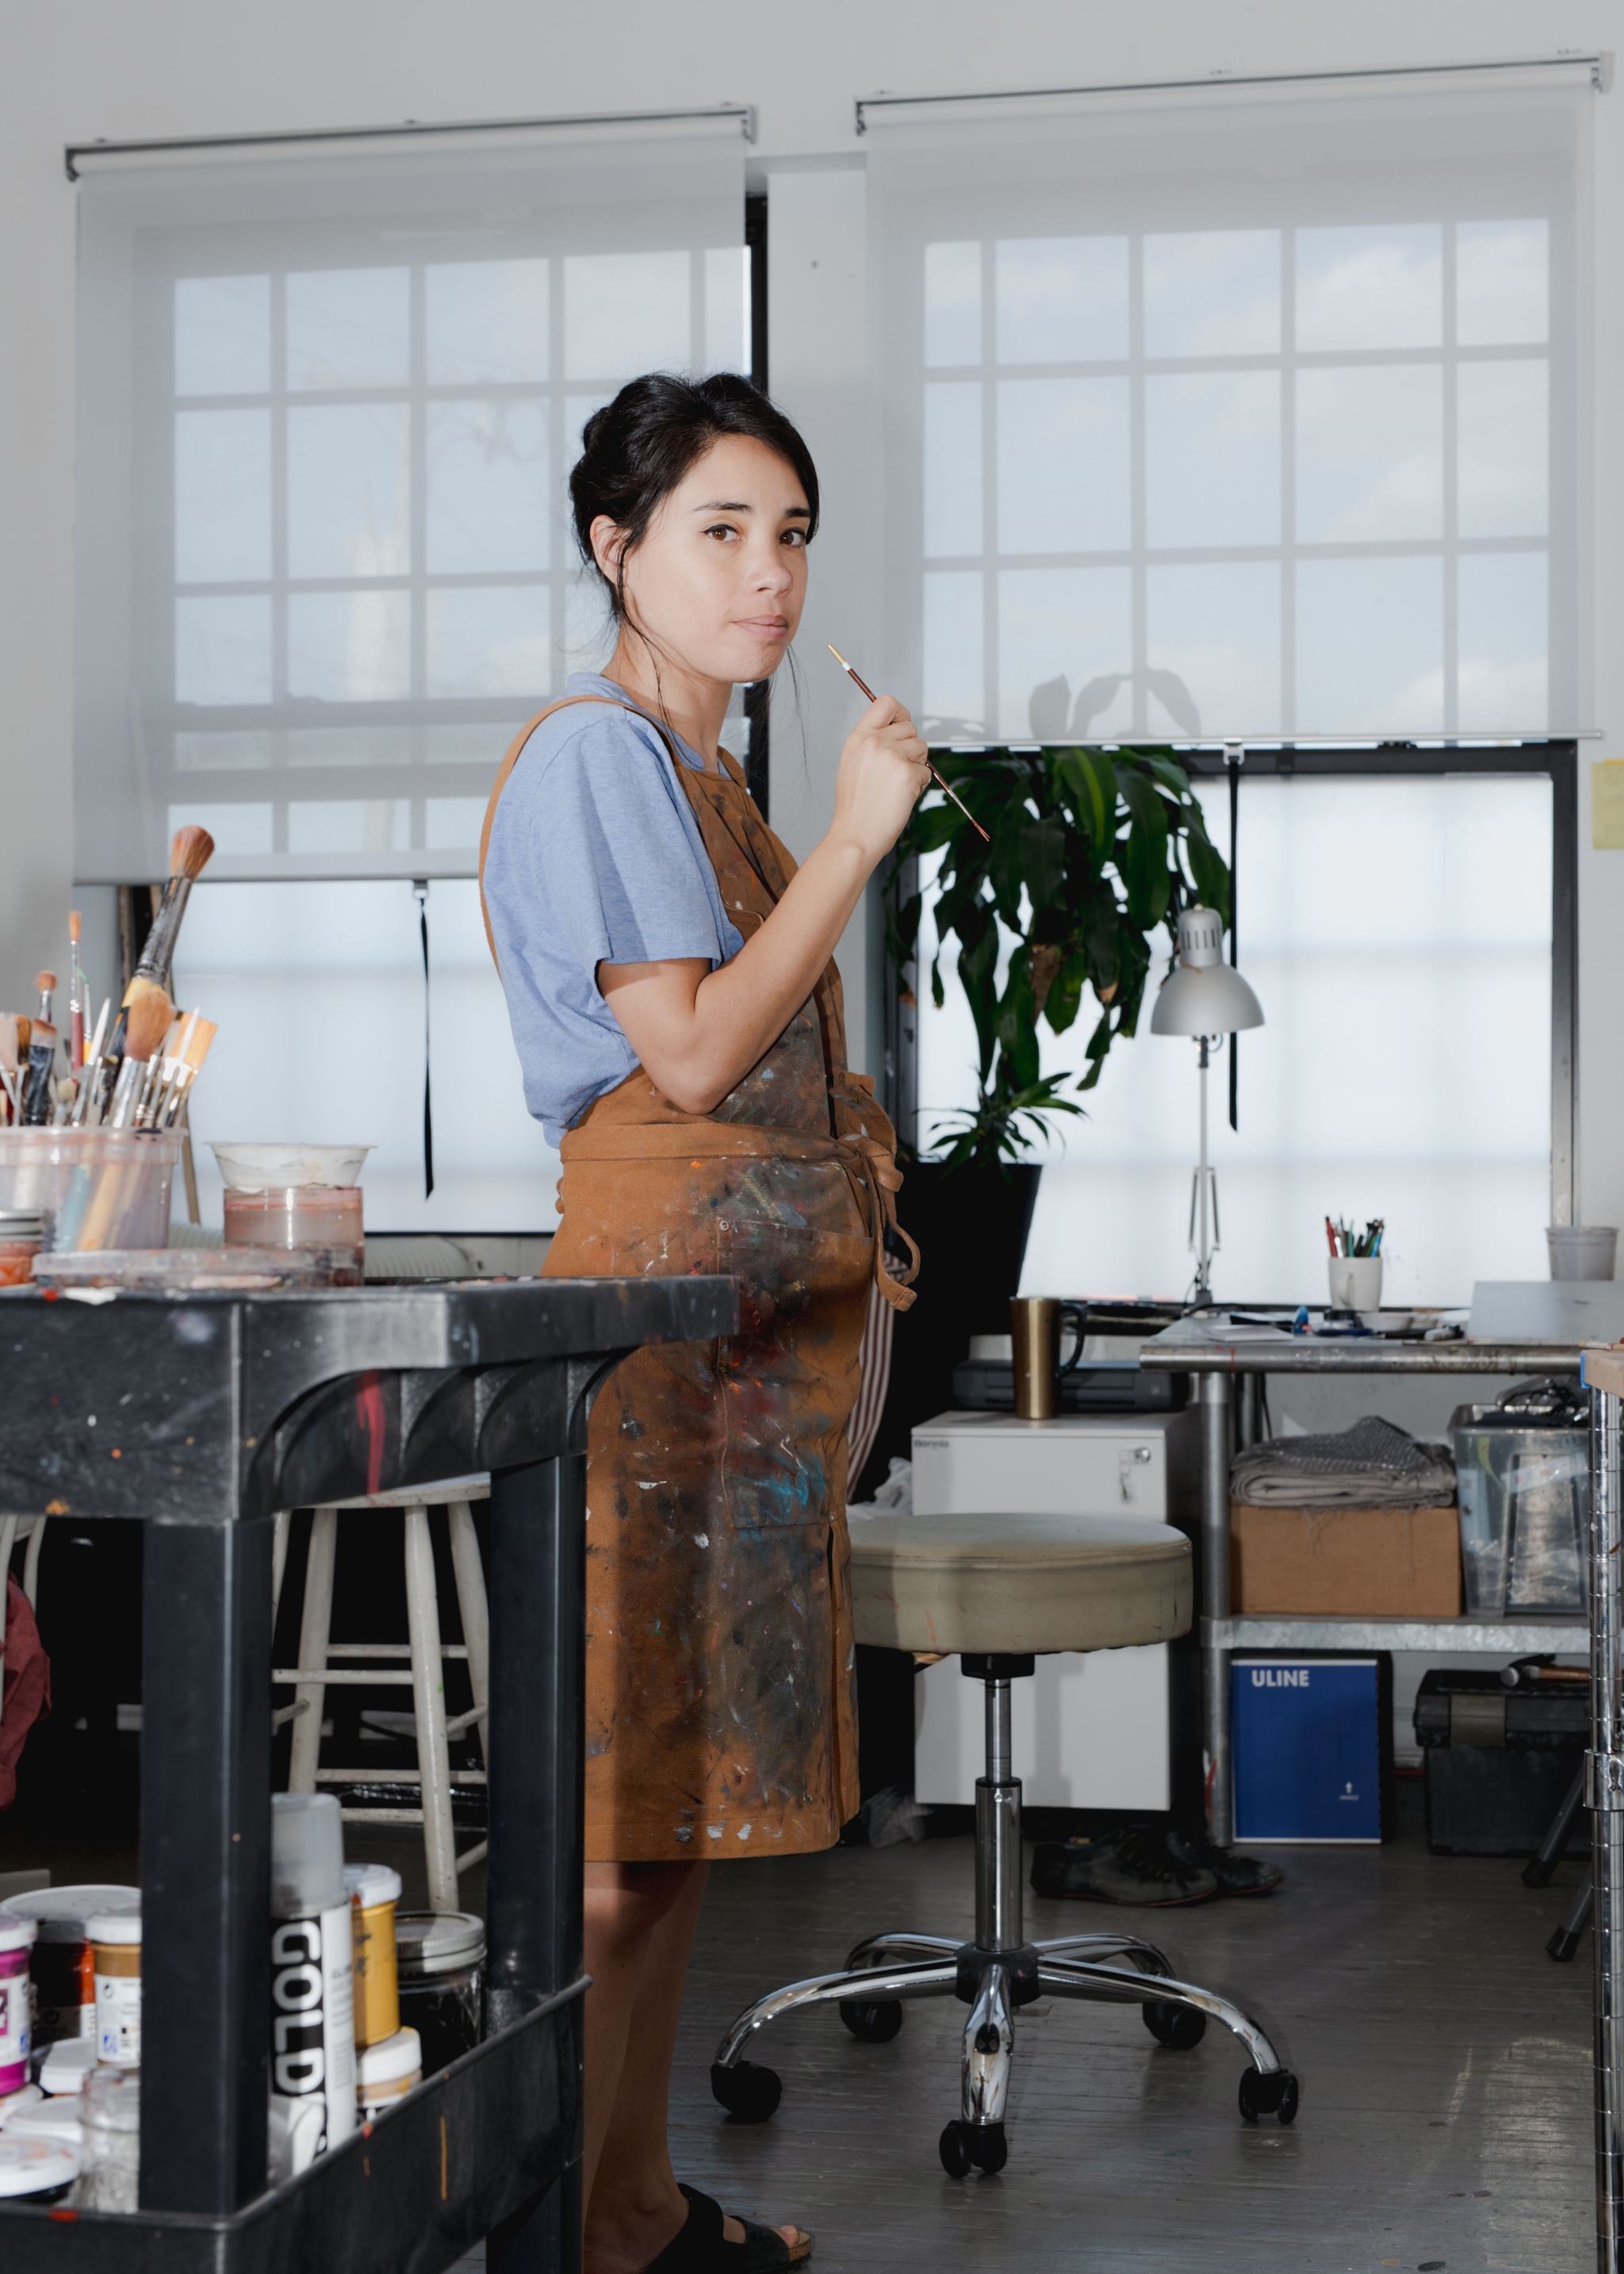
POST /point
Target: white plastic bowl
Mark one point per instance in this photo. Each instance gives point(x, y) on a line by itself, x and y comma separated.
point(272, 1168)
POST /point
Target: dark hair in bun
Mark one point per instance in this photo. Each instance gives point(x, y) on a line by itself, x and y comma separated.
point(636, 449)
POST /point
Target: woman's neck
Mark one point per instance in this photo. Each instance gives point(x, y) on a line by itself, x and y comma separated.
point(691, 705)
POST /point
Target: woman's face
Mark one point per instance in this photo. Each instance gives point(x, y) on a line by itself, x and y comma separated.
point(720, 580)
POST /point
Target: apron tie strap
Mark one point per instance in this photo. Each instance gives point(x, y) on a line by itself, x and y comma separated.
point(886, 1182)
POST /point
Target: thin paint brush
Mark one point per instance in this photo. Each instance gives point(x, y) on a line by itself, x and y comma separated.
point(864, 688)
point(38, 1097)
point(90, 1074)
point(76, 1008)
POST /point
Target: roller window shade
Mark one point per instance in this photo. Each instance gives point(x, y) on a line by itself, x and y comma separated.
point(326, 409)
point(1232, 416)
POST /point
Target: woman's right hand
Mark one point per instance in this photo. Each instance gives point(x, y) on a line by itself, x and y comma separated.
point(883, 771)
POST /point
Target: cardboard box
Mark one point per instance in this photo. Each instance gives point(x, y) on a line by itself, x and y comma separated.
point(1346, 1562)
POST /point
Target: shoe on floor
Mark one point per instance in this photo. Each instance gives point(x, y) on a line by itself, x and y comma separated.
point(1236, 1874)
point(1134, 1866)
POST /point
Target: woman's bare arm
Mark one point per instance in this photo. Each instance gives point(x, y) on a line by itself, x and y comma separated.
point(697, 1032)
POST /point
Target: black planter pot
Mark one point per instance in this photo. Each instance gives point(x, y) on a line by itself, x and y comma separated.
point(971, 1226)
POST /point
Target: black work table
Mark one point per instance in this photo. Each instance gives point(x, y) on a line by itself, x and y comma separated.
point(201, 1417)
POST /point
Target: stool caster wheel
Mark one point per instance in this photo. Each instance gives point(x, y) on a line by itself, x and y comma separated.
point(1178, 2027)
point(967, 2147)
point(873, 2024)
point(1275, 2094)
point(748, 2092)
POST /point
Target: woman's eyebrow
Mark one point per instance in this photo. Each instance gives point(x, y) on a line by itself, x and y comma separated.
point(739, 505)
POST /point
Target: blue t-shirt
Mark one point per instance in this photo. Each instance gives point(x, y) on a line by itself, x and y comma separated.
point(595, 857)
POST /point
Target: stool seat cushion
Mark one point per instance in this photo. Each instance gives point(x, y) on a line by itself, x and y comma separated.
point(1018, 1583)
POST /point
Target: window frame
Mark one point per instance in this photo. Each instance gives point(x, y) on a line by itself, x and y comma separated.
point(1556, 761)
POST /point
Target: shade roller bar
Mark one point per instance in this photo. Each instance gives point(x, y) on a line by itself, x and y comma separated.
point(1578, 70)
point(730, 117)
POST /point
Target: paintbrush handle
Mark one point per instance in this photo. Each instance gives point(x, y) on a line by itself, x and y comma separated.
point(863, 687)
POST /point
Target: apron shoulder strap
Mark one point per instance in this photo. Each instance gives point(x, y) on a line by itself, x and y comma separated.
point(508, 764)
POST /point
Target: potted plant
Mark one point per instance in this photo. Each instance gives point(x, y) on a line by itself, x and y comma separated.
point(1088, 855)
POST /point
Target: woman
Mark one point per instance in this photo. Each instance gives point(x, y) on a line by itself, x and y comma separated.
point(669, 980)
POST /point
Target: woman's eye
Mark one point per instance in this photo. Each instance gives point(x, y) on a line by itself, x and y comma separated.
point(721, 529)
point(796, 537)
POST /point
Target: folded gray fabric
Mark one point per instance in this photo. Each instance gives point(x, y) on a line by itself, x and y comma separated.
point(1373, 1464)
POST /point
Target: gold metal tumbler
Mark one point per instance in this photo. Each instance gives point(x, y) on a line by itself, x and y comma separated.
point(1035, 1324)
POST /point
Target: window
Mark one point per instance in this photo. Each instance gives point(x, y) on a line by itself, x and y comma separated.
point(328, 410)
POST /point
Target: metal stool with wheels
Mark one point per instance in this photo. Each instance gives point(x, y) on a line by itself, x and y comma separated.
point(997, 1589)
point(424, 1651)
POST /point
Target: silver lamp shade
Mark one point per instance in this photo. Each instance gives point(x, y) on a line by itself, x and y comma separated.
point(1203, 995)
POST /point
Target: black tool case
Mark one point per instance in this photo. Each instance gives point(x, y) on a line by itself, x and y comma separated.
point(1498, 1762)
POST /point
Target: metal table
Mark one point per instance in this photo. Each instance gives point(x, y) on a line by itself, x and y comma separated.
point(202, 1418)
point(1604, 1780)
point(1218, 1367)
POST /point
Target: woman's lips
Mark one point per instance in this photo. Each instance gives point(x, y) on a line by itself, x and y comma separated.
point(763, 627)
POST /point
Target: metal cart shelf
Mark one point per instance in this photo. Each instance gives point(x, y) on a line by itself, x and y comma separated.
point(201, 1417)
point(1218, 1365)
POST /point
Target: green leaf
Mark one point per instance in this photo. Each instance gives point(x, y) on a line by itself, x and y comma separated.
point(1065, 996)
point(1092, 780)
point(1042, 851)
point(1142, 857)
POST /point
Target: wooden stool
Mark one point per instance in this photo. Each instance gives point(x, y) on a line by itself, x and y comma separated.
point(423, 1651)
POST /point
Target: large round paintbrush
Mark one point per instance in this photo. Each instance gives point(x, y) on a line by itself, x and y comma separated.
point(189, 856)
point(151, 1014)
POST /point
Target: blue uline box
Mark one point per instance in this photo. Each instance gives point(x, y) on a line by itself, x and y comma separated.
point(1308, 1733)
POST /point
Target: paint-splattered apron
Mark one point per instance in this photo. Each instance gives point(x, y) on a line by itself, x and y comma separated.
point(721, 1709)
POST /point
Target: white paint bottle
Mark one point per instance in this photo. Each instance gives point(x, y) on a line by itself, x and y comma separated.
point(312, 2013)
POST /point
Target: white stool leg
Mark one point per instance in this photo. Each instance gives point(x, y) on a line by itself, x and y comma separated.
point(472, 1603)
point(31, 1562)
point(428, 1695)
point(315, 1633)
point(284, 1525)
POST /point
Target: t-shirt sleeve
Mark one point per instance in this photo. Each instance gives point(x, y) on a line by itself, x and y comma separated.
point(612, 864)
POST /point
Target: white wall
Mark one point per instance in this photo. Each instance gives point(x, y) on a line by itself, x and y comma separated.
point(178, 67)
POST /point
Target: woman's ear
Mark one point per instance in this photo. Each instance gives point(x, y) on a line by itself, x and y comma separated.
point(608, 545)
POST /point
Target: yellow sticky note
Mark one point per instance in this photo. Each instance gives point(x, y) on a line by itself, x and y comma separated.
point(1607, 805)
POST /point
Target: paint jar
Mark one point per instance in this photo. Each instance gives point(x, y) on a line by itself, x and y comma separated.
point(386, 2072)
point(36, 2171)
point(116, 1948)
point(312, 1960)
point(110, 2110)
point(64, 1982)
point(99, 1188)
point(373, 1891)
point(16, 2008)
point(22, 1238)
point(442, 1960)
point(46, 2119)
point(325, 1216)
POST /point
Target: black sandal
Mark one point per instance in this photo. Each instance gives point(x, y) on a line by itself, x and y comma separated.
point(700, 2248)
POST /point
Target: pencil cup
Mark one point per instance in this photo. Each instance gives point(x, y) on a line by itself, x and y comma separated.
point(1582, 1251)
point(1356, 1283)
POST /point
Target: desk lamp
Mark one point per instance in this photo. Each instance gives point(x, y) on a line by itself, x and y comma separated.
point(1204, 997)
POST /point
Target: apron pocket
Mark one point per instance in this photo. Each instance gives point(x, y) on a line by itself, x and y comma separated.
point(788, 1380)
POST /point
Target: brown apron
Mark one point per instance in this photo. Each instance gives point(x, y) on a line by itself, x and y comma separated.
point(721, 1707)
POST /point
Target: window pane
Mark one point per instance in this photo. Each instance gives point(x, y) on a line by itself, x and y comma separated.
point(1503, 282)
point(223, 335)
point(1070, 625)
point(626, 312)
point(490, 640)
point(1503, 607)
point(222, 651)
point(223, 496)
point(1214, 631)
point(955, 693)
point(487, 478)
point(484, 320)
point(450, 824)
point(1212, 459)
point(1377, 286)
point(348, 328)
point(1063, 465)
point(952, 468)
point(953, 304)
point(349, 647)
point(347, 744)
point(1370, 453)
point(1212, 292)
point(1370, 647)
point(349, 490)
point(1063, 299)
point(1502, 415)
point(236, 829)
point(376, 825)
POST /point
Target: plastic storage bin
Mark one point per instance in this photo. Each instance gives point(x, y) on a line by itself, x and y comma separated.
point(1524, 1489)
point(1498, 1761)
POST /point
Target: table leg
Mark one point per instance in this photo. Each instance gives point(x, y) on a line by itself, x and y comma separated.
point(1214, 1604)
point(205, 1838)
point(1607, 1820)
point(537, 1598)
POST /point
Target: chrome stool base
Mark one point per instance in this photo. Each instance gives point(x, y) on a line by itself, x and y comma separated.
point(994, 1976)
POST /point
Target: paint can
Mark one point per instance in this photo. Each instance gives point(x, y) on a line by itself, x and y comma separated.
point(386, 2072)
point(116, 1948)
point(36, 2171)
point(16, 2009)
point(441, 1960)
point(374, 1890)
point(312, 1959)
point(61, 1968)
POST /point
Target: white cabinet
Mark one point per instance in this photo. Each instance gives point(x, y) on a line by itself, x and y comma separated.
point(1091, 1730)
